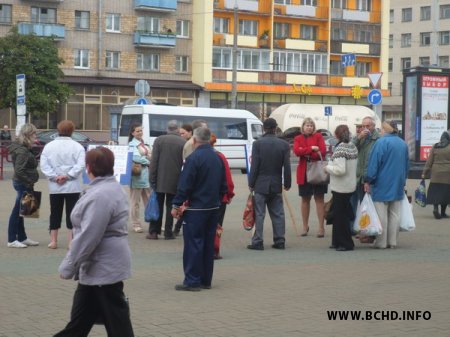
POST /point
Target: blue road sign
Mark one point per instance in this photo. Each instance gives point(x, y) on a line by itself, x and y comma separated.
point(141, 101)
point(20, 89)
point(328, 111)
point(348, 60)
point(374, 97)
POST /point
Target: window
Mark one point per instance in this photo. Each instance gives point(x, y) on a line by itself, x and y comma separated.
point(182, 28)
point(425, 13)
point(406, 14)
point(443, 61)
point(362, 68)
point(5, 14)
point(425, 39)
point(336, 68)
point(390, 87)
point(338, 34)
point(300, 62)
point(221, 58)
point(309, 2)
point(391, 41)
point(112, 22)
point(390, 64)
point(444, 11)
point(247, 59)
point(424, 61)
point(81, 58)
point(281, 30)
point(43, 15)
point(221, 25)
point(363, 36)
point(148, 24)
point(248, 27)
point(391, 16)
point(406, 62)
point(406, 40)
point(112, 60)
point(147, 62)
point(365, 5)
point(342, 4)
point(283, 2)
point(82, 20)
point(308, 32)
point(444, 37)
point(181, 64)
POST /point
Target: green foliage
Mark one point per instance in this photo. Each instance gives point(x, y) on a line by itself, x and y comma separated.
point(37, 58)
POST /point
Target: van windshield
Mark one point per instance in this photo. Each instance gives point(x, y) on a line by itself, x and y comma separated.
point(224, 128)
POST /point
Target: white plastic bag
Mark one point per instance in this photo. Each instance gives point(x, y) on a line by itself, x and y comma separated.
point(367, 222)
point(407, 223)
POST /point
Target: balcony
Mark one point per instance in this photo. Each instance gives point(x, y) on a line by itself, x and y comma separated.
point(154, 40)
point(54, 30)
point(156, 5)
point(243, 5)
point(350, 15)
point(342, 47)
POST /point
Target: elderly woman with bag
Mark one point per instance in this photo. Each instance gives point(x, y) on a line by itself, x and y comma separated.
point(438, 164)
point(140, 183)
point(310, 145)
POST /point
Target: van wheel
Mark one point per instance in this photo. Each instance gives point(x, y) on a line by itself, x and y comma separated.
point(243, 171)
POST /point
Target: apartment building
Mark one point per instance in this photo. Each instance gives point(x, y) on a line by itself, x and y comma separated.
point(289, 51)
point(419, 36)
point(107, 46)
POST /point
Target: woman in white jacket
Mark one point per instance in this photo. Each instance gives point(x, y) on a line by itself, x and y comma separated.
point(342, 170)
point(62, 162)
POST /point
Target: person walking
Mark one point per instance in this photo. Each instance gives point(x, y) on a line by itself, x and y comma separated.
point(270, 171)
point(62, 162)
point(25, 176)
point(342, 170)
point(310, 145)
point(99, 257)
point(202, 184)
point(387, 172)
point(140, 184)
point(438, 165)
point(165, 168)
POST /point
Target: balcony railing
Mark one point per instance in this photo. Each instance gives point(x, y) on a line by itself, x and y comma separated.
point(156, 5)
point(374, 48)
point(154, 40)
point(42, 29)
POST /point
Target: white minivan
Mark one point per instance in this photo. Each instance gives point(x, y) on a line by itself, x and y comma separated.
point(234, 128)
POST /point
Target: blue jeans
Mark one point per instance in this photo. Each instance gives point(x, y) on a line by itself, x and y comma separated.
point(16, 228)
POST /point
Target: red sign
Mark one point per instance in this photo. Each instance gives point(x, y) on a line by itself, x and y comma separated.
point(434, 81)
point(425, 152)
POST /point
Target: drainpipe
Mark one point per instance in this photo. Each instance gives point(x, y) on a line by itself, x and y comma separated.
point(99, 37)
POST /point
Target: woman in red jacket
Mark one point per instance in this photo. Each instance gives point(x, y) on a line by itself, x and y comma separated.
point(307, 146)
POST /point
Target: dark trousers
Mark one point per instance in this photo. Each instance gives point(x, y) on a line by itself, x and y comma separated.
point(155, 226)
point(90, 302)
point(199, 230)
point(341, 235)
point(16, 227)
point(56, 208)
point(222, 210)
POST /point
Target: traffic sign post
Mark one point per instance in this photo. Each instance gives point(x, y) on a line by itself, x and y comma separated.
point(21, 108)
point(374, 78)
point(141, 101)
point(328, 113)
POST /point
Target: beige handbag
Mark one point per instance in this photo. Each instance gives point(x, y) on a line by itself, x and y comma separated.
point(315, 172)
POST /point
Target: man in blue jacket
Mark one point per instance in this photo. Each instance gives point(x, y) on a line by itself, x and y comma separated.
point(202, 184)
point(387, 172)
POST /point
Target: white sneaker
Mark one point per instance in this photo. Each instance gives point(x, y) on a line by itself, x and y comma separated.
point(29, 242)
point(16, 244)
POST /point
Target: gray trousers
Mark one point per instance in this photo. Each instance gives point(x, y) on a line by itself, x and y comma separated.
point(389, 214)
point(274, 204)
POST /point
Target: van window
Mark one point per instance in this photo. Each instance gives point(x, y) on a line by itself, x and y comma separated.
point(257, 131)
point(224, 128)
point(127, 121)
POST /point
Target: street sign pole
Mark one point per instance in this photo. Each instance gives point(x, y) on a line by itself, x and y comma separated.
point(21, 108)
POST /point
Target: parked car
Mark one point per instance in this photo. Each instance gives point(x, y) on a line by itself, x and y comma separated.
point(44, 137)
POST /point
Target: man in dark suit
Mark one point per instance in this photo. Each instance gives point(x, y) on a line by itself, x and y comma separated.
point(270, 171)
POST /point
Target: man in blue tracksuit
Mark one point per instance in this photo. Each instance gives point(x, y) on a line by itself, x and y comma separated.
point(202, 184)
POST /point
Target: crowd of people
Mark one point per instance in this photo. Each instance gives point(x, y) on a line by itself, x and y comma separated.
point(194, 183)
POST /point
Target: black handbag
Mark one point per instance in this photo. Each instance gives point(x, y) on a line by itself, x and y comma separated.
point(329, 211)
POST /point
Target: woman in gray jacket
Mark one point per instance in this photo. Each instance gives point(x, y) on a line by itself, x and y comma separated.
point(99, 256)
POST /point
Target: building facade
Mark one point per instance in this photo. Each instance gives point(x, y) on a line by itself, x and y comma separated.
point(419, 36)
point(289, 51)
point(107, 46)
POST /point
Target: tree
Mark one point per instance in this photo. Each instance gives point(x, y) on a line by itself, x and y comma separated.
point(37, 58)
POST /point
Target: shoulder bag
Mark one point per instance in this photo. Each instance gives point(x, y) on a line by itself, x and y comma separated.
point(315, 172)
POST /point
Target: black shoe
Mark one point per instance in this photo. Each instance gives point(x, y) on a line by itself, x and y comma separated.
point(444, 216)
point(176, 232)
point(332, 247)
point(206, 287)
point(255, 247)
point(184, 287)
point(279, 245)
point(343, 249)
point(436, 214)
point(170, 237)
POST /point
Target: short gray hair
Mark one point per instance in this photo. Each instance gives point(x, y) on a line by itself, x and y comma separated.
point(172, 125)
point(372, 120)
point(199, 123)
point(202, 134)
